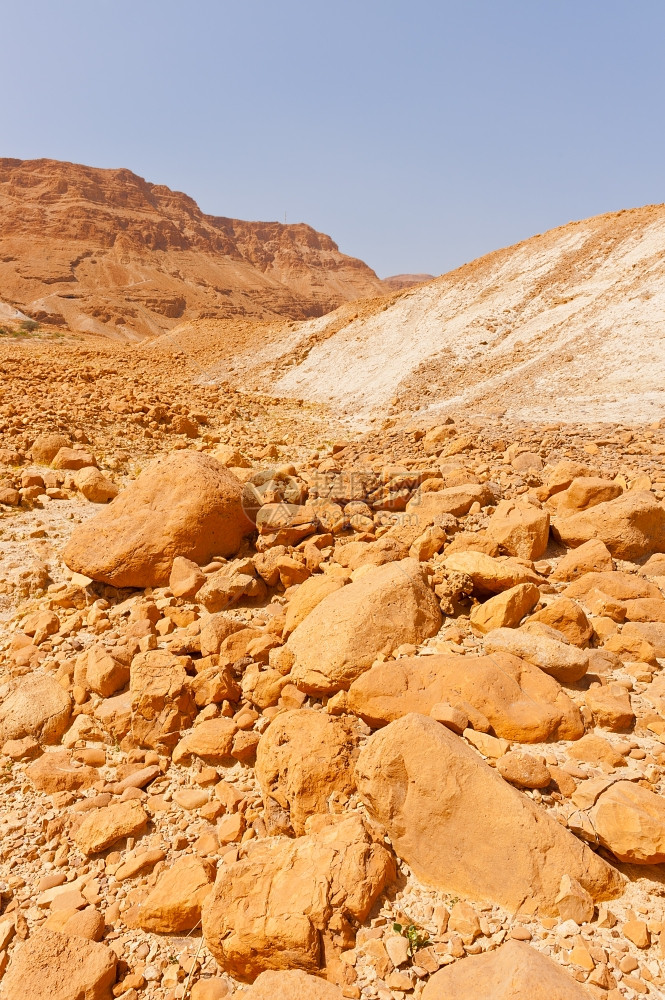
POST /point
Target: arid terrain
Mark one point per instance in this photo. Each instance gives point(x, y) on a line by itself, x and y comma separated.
point(104, 251)
point(331, 648)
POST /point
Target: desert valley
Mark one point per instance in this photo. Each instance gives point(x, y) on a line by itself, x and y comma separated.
point(332, 608)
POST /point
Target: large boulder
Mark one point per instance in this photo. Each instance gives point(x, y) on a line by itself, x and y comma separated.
point(304, 758)
point(429, 508)
point(47, 446)
point(463, 829)
point(292, 984)
point(162, 698)
point(629, 821)
point(387, 606)
point(567, 617)
point(631, 526)
point(591, 557)
point(490, 575)
point(270, 909)
point(515, 971)
point(507, 609)
point(519, 702)
point(60, 967)
point(584, 493)
point(174, 904)
point(620, 586)
point(521, 529)
point(186, 504)
point(35, 706)
point(105, 826)
point(562, 661)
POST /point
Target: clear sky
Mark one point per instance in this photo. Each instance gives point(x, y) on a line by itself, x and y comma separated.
point(419, 134)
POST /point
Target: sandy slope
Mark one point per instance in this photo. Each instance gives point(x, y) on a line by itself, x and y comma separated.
point(568, 325)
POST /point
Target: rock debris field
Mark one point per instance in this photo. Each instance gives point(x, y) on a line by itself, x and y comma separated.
point(292, 711)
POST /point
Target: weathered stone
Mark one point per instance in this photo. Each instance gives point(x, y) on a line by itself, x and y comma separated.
point(489, 575)
point(515, 971)
point(631, 526)
point(518, 700)
point(211, 741)
point(574, 902)
point(214, 630)
point(591, 557)
point(270, 909)
point(560, 660)
point(105, 826)
point(162, 700)
point(99, 670)
point(60, 967)
point(389, 605)
point(35, 706)
point(47, 446)
point(58, 772)
point(422, 784)
point(584, 493)
point(292, 984)
point(95, 486)
point(308, 596)
point(520, 528)
point(186, 577)
point(73, 459)
point(506, 609)
point(524, 769)
point(183, 505)
point(304, 758)
point(630, 822)
point(610, 707)
point(174, 905)
point(567, 617)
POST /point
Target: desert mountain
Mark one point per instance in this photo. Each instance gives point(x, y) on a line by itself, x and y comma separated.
point(568, 325)
point(104, 251)
point(398, 282)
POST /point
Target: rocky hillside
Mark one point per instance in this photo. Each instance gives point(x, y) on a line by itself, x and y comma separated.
point(105, 251)
point(290, 714)
point(568, 325)
point(397, 282)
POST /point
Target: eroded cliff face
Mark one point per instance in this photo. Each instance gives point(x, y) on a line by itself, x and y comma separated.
point(105, 251)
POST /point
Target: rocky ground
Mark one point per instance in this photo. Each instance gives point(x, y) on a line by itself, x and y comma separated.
point(288, 712)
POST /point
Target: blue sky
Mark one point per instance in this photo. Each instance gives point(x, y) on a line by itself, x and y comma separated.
point(419, 134)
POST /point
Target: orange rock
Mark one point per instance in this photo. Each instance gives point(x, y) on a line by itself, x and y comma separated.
point(35, 706)
point(303, 758)
point(517, 699)
point(61, 967)
point(268, 910)
point(162, 699)
point(521, 529)
point(103, 827)
point(338, 640)
point(630, 821)
point(515, 971)
point(439, 802)
point(489, 575)
point(186, 578)
point(174, 905)
point(631, 526)
point(291, 985)
point(183, 505)
point(562, 661)
point(506, 609)
point(591, 557)
point(567, 617)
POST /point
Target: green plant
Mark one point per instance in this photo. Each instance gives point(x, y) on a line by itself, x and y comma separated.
point(417, 939)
